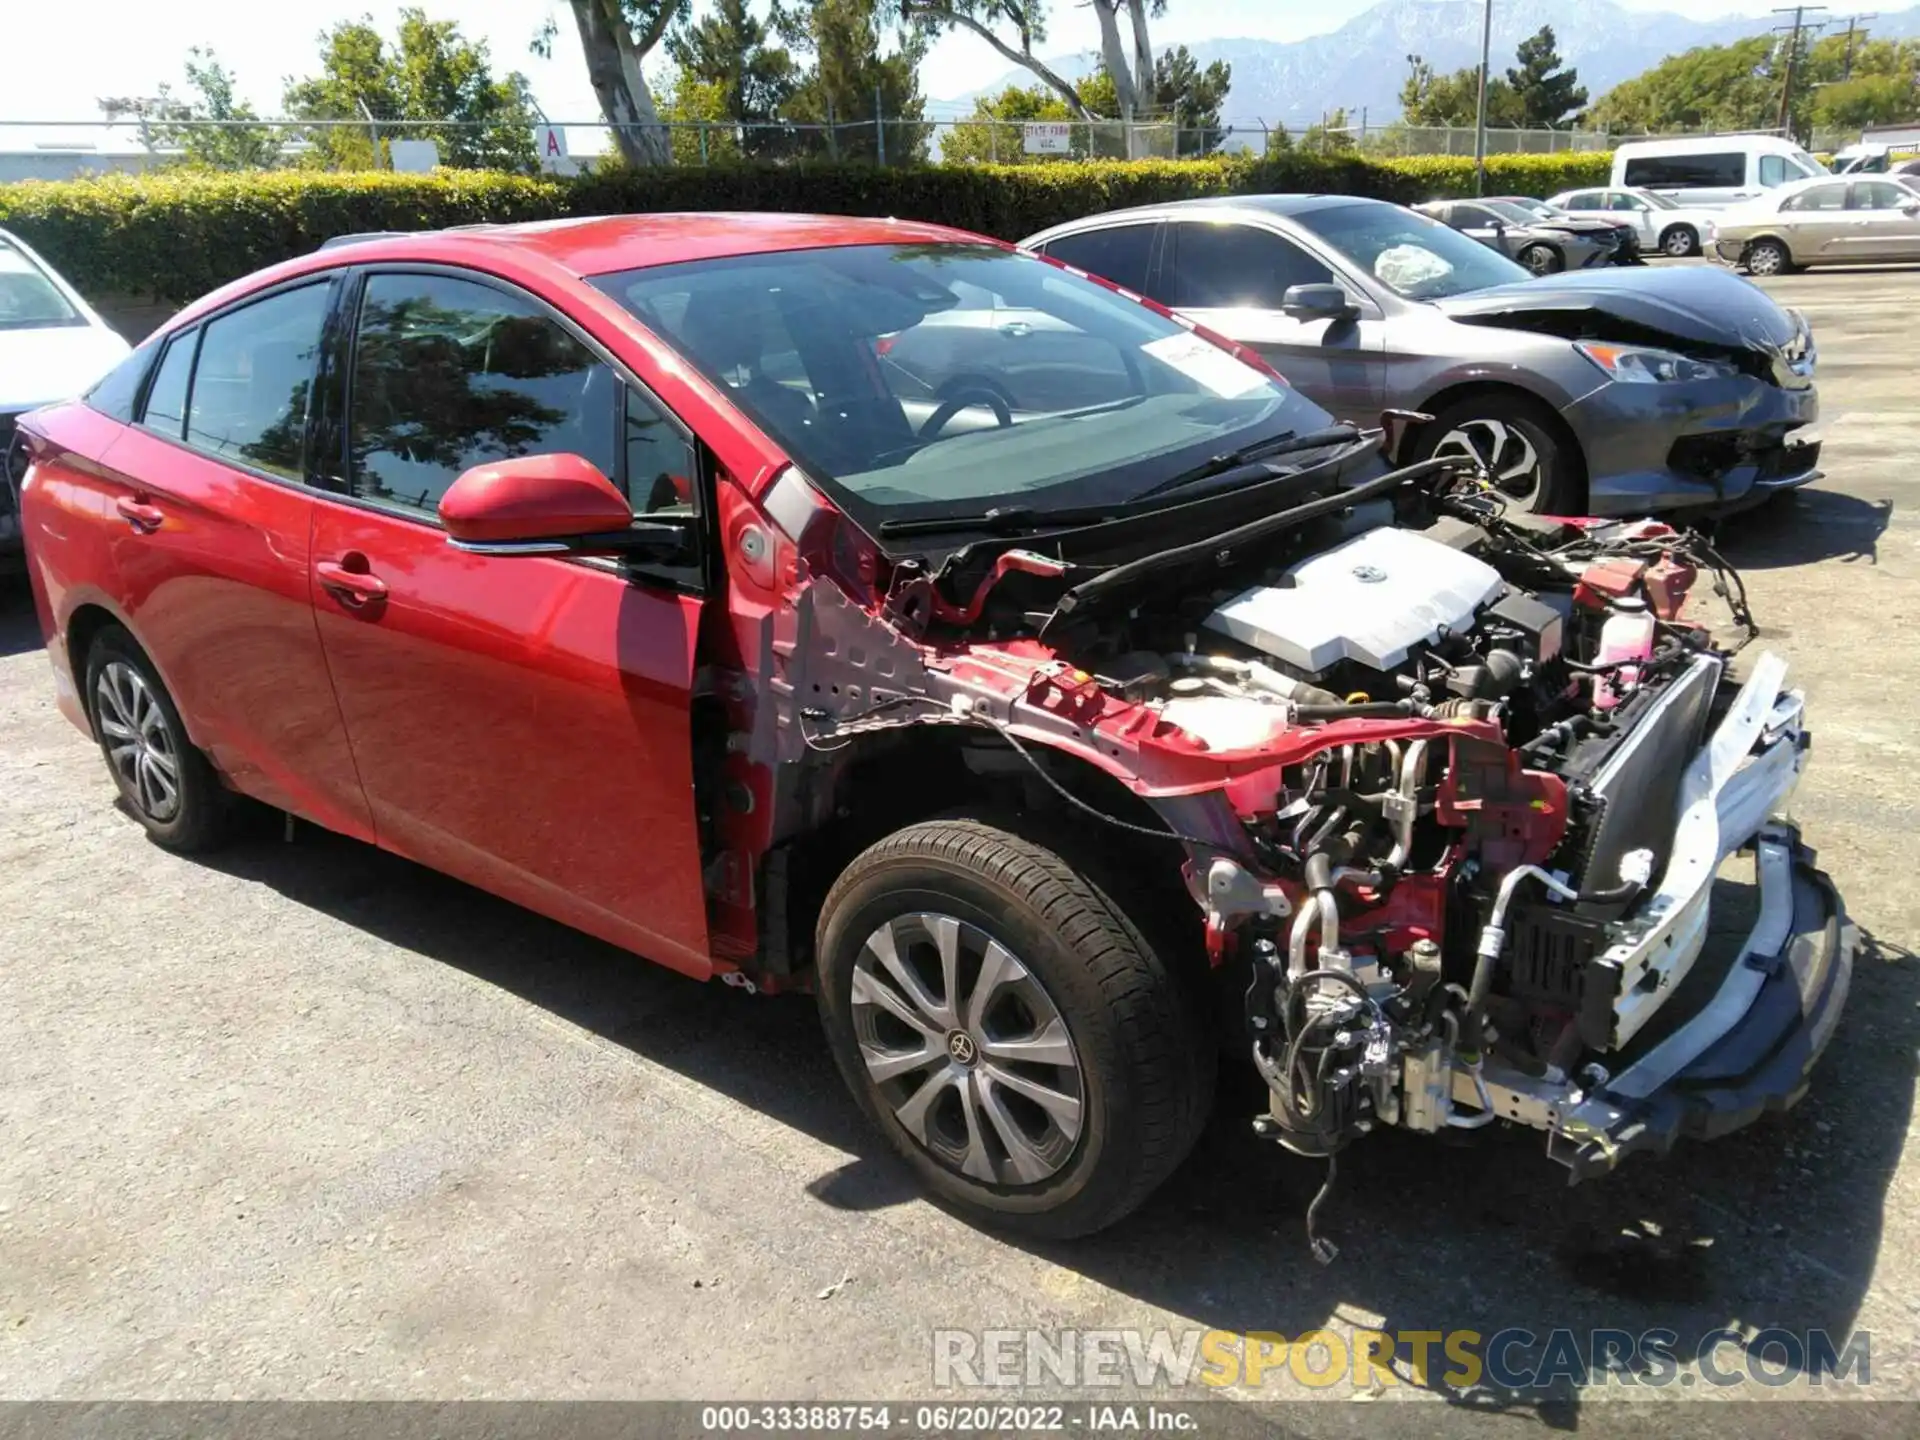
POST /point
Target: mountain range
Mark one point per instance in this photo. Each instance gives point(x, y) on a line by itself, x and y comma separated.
point(1363, 64)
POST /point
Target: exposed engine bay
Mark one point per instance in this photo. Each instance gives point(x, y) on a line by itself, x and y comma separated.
point(1453, 786)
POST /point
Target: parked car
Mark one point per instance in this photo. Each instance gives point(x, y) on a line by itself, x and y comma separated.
point(52, 345)
point(603, 565)
point(1612, 392)
point(1547, 216)
point(1661, 224)
point(1824, 222)
point(1545, 247)
point(1712, 170)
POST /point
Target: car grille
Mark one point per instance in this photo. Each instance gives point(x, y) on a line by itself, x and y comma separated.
point(1710, 457)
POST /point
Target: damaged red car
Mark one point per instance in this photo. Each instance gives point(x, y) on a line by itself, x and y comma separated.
point(1064, 720)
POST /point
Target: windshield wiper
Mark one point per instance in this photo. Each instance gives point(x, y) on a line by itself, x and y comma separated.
point(1000, 520)
point(1287, 442)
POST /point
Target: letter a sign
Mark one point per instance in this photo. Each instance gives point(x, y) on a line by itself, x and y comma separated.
point(550, 144)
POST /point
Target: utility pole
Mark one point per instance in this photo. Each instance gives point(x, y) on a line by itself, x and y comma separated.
point(1853, 22)
point(1799, 13)
point(1480, 112)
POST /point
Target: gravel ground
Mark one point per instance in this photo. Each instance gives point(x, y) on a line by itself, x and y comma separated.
point(306, 1121)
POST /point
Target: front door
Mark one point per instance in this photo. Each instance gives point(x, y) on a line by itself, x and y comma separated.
point(1232, 278)
point(523, 722)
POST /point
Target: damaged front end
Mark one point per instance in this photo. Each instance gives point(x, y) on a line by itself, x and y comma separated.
point(1453, 786)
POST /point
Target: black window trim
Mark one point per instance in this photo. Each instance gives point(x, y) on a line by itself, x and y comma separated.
point(1360, 293)
point(197, 331)
point(333, 479)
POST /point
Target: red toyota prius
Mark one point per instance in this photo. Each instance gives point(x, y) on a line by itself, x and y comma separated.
point(872, 608)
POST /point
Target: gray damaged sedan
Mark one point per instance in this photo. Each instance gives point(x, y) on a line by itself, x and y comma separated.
point(1603, 392)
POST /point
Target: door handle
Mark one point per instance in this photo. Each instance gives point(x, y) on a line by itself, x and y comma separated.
point(1016, 329)
point(145, 518)
point(348, 581)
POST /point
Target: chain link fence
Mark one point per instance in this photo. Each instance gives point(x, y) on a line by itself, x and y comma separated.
point(51, 149)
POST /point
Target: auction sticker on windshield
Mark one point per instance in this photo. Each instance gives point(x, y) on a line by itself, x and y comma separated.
point(1207, 365)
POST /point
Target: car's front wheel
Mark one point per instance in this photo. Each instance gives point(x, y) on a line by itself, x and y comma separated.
point(1768, 257)
point(1680, 241)
point(1512, 439)
point(1007, 1028)
point(165, 783)
point(1542, 259)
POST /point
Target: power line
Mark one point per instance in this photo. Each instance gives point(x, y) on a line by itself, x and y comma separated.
point(1799, 13)
point(1853, 22)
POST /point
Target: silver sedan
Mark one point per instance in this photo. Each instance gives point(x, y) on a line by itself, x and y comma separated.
point(1827, 221)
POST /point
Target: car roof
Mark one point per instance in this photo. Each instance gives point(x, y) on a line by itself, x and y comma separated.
point(601, 244)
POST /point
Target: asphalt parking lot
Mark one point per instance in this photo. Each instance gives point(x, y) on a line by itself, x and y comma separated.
point(304, 1121)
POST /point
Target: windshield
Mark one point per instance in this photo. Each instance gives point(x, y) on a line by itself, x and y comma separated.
point(919, 381)
point(1413, 255)
point(1510, 212)
point(1538, 209)
point(28, 299)
point(1808, 165)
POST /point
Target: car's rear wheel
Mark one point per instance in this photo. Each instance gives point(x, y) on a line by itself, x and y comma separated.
point(1528, 461)
point(1680, 241)
point(165, 783)
point(1008, 1029)
point(1768, 257)
point(1542, 259)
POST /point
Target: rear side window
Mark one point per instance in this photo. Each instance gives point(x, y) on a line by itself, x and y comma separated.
point(251, 385)
point(115, 393)
point(166, 411)
point(1716, 170)
point(450, 373)
point(1877, 195)
point(1120, 253)
point(1221, 266)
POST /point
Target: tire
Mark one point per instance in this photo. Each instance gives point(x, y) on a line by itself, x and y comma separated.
point(131, 710)
point(1542, 259)
point(1125, 1046)
point(1768, 257)
point(1680, 241)
point(1482, 423)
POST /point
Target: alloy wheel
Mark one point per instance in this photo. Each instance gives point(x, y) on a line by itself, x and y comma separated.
point(1507, 454)
point(967, 1049)
point(1679, 243)
point(140, 745)
point(1765, 259)
point(1539, 259)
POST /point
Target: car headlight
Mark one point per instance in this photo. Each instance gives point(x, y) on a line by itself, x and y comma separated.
point(1638, 365)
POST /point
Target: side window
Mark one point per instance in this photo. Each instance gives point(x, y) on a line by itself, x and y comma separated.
point(166, 412)
point(660, 465)
point(114, 393)
point(1877, 195)
point(1628, 203)
point(1586, 200)
point(1119, 253)
point(1819, 197)
point(250, 386)
point(1717, 171)
point(450, 373)
point(1773, 171)
point(1220, 266)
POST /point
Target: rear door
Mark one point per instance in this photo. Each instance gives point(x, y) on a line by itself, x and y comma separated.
point(210, 515)
point(1883, 221)
point(1232, 278)
point(522, 723)
point(1817, 222)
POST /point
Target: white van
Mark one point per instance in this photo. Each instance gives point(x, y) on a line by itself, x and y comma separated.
point(1712, 169)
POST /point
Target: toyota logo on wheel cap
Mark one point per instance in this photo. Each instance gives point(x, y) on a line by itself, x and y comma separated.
point(961, 1046)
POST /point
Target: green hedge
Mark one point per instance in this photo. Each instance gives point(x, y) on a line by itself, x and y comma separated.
point(175, 235)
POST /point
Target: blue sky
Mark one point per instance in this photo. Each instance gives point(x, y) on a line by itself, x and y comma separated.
point(130, 46)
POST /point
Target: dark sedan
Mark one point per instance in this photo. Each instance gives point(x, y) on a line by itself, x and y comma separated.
point(1604, 392)
point(1548, 216)
point(1545, 247)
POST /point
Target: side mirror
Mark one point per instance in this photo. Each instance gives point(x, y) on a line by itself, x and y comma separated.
point(548, 505)
point(1318, 302)
point(1910, 207)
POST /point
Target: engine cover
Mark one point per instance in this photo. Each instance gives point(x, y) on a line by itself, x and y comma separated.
point(1368, 600)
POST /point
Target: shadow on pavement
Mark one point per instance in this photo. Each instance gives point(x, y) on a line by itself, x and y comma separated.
point(19, 626)
point(1775, 1225)
point(1805, 526)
